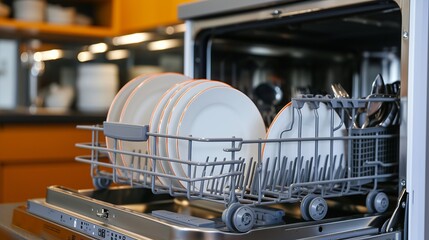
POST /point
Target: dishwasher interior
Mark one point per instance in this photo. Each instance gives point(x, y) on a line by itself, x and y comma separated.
point(296, 59)
point(274, 60)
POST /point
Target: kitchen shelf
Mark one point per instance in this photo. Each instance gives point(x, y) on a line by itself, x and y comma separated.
point(104, 15)
point(111, 18)
point(37, 28)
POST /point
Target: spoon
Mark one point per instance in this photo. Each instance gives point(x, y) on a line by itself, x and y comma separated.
point(391, 116)
point(372, 108)
point(378, 85)
point(380, 113)
point(394, 88)
point(372, 113)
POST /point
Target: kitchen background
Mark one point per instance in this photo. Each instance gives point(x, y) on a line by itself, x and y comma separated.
point(59, 61)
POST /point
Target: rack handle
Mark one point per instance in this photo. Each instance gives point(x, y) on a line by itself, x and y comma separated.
point(127, 132)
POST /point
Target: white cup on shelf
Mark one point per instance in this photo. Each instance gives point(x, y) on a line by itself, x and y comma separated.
point(57, 14)
point(29, 10)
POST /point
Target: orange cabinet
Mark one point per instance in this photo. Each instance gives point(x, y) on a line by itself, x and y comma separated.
point(105, 18)
point(138, 15)
point(110, 18)
point(34, 156)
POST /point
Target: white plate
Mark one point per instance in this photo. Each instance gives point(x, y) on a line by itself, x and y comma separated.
point(286, 125)
point(166, 111)
point(158, 112)
point(175, 109)
point(115, 110)
point(183, 94)
point(217, 112)
point(139, 106)
point(155, 119)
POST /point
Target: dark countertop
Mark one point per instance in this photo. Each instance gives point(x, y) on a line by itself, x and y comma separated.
point(42, 115)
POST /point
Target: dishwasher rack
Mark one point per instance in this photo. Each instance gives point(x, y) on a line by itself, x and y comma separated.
point(370, 159)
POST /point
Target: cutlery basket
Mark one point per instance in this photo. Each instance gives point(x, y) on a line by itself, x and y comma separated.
point(374, 155)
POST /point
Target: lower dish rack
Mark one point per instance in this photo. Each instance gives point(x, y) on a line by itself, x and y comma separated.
point(364, 164)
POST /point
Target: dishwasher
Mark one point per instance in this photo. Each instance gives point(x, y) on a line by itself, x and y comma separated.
point(278, 52)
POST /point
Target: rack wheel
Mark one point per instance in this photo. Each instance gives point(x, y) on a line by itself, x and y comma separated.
point(370, 201)
point(313, 207)
point(305, 203)
point(381, 202)
point(377, 202)
point(228, 214)
point(243, 219)
point(101, 183)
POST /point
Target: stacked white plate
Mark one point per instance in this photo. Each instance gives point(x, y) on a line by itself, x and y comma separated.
point(176, 105)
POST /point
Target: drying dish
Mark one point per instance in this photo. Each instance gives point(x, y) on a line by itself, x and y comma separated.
point(166, 110)
point(155, 119)
point(115, 110)
point(290, 123)
point(217, 112)
point(139, 106)
point(175, 109)
point(183, 94)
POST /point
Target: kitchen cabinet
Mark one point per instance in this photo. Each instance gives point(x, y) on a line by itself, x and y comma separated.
point(137, 15)
point(105, 16)
point(34, 156)
point(110, 17)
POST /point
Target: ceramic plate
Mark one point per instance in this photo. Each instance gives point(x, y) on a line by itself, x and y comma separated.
point(217, 112)
point(175, 109)
point(139, 106)
point(115, 109)
point(286, 125)
point(184, 94)
point(166, 111)
point(156, 117)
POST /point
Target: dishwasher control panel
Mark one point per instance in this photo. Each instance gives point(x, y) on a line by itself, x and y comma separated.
point(90, 228)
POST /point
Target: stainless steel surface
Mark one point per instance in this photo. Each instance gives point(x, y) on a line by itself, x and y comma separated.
point(135, 220)
point(298, 54)
point(417, 138)
point(398, 235)
point(287, 10)
point(400, 210)
point(378, 86)
point(207, 8)
point(339, 91)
